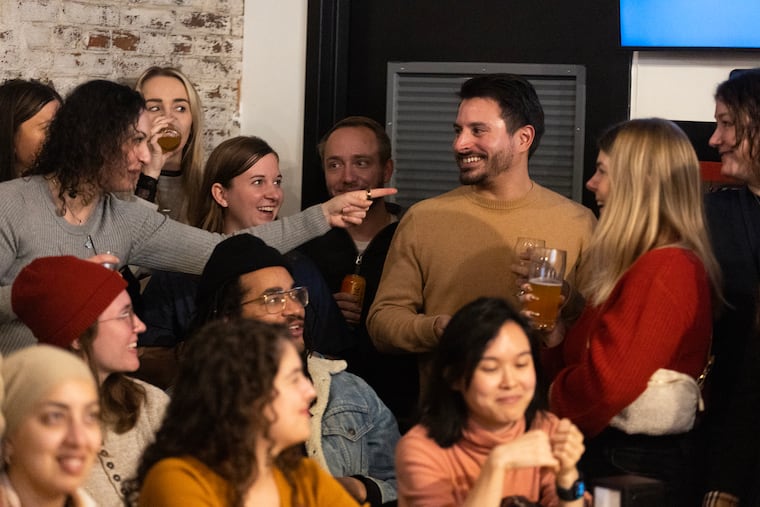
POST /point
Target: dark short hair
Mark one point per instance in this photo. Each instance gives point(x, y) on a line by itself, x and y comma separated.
point(741, 95)
point(443, 410)
point(383, 141)
point(517, 100)
point(86, 137)
point(20, 100)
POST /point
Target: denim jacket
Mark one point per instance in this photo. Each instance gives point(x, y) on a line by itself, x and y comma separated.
point(353, 432)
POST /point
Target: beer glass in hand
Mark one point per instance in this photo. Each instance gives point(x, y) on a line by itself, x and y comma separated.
point(546, 272)
point(524, 246)
point(169, 139)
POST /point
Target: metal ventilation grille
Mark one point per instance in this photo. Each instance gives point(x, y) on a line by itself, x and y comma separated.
point(422, 106)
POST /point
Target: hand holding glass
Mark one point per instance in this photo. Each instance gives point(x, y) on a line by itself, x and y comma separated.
point(546, 272)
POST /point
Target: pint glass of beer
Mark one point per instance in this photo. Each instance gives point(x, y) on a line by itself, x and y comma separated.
point(545, 274)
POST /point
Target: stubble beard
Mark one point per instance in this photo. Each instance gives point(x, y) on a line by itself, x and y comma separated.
point(493, 166)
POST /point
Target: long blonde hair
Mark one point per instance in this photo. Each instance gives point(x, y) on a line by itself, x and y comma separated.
point(655, 199)
point(193, 153)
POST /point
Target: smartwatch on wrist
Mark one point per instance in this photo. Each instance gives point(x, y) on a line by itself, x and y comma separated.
point(572, 493)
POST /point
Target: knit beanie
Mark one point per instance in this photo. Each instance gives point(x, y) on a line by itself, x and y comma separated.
point(30, 373)
point(58, 298)
point(235, 256)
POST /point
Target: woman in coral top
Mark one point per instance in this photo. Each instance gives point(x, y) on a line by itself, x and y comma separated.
point(650, 276)
point(233, 430)
point(484, 438)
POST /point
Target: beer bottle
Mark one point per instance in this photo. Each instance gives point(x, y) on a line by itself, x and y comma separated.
point(354, 283)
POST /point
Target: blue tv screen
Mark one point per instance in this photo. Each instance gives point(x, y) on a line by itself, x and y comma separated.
point(690, 24)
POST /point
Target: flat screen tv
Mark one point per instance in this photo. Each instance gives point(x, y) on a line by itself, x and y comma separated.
point(709, 24)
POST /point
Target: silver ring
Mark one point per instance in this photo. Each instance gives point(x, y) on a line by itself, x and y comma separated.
point(520, 293)
point(369, 194)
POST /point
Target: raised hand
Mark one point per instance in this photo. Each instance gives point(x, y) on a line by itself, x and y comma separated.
point(350, 208)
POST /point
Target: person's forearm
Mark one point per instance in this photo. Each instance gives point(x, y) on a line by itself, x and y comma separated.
point(488, 488)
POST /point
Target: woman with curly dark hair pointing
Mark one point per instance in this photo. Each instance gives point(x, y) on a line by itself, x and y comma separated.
point(96, 147)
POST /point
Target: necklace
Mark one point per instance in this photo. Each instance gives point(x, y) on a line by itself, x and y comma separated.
point(65, 209)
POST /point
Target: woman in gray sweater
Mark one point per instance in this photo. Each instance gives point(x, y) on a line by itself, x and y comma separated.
point(96, 146)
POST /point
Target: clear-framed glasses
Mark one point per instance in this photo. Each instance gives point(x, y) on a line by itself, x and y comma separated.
point(275, 301)
point(128, 316)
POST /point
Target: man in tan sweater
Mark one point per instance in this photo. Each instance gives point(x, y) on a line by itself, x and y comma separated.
point(458, 246)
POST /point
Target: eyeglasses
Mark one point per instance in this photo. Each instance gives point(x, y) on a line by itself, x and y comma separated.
point(127, 316)
point(275, 301)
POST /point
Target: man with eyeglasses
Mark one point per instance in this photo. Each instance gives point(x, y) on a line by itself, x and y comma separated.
point(354, 434)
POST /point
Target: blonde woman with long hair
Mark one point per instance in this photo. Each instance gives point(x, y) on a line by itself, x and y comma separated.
point(173, 178)
point(650, 279)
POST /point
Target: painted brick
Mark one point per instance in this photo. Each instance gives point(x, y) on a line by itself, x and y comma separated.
point(156, 44)
point(129, 66)
point(98, 40)
point(84, 14)
point(152, 19)
point(236, 26)
point(218, 45)
point(67, 42)
point(93, 65)
point(70, 38)
point(38, 36)
point(215, 23)
point(38, 10)
point(232, 7)
point(126, 41)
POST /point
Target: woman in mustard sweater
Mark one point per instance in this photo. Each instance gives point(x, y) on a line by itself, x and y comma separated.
point(234, 427)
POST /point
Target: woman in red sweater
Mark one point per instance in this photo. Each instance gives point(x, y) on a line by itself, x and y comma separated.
point(485, 439)
point(649, 277)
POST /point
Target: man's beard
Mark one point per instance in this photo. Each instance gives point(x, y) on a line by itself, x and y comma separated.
point(493, 166)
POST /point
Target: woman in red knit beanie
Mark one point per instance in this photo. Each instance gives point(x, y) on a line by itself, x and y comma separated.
point(649, 278)
point(84, 307)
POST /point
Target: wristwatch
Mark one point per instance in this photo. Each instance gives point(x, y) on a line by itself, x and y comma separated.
point(572, 493)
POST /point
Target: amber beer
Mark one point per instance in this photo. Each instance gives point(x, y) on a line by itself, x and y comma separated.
point(169, 139)
point(548, 292)
point(354, 284)
point(546, 272)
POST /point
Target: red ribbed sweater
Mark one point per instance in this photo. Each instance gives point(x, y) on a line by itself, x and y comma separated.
point(659, 315)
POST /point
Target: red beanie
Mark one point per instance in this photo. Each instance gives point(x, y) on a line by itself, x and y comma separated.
point(58, 298)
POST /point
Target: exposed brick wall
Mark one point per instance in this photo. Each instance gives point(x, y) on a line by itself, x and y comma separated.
point(67, 42)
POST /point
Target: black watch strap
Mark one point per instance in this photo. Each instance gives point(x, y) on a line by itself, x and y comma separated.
point(146, 188)
point(573, 493)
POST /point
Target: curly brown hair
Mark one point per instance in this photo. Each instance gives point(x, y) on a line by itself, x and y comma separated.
point(741, 95)
point(86, 138)
point(216, 413)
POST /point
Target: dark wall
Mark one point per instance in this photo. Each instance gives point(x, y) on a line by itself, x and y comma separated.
point(581, 32)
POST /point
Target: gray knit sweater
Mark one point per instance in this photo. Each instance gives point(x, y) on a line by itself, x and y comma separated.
point(30, 227)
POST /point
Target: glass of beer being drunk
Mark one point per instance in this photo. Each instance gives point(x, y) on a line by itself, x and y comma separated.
point(546, 272)
point(169, 139)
